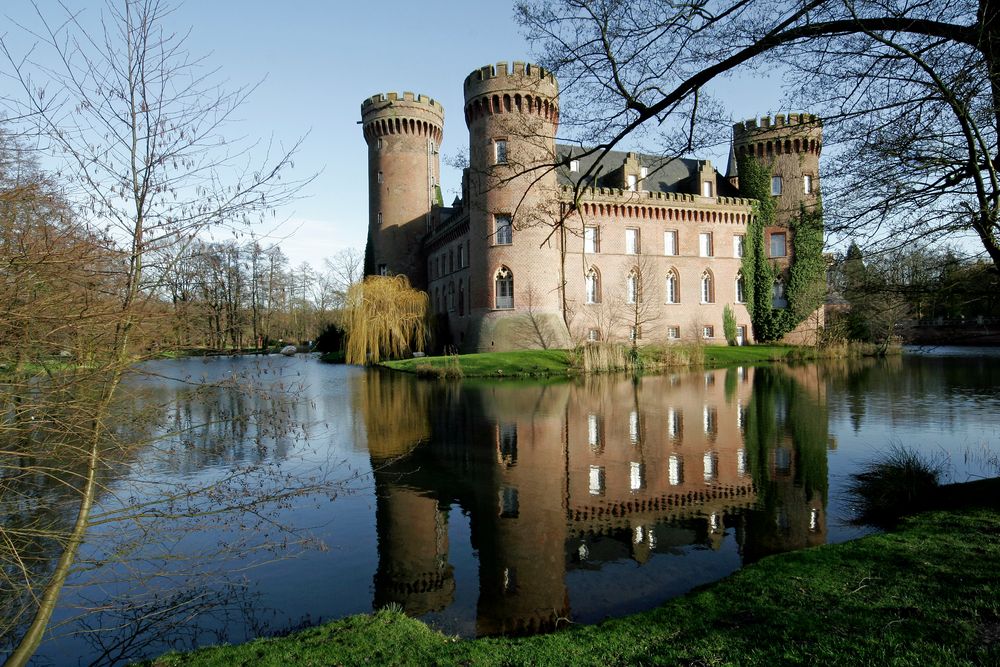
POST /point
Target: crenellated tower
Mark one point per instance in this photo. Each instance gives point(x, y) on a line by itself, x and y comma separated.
point(790, 145)
point(403, 133)
point(512, 113)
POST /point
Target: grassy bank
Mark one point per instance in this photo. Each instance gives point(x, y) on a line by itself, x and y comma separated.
point(524, 363)
point(926, 594)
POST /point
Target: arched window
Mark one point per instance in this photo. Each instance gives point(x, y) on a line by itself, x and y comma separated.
point(778, 299)
point(672, 292)
point(632, 287)
point(707, 288)
point(504, 289)
point(461, 297)
point(741, 294)
point(593, 284)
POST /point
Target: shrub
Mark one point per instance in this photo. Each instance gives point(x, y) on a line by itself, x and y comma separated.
point(897, 483)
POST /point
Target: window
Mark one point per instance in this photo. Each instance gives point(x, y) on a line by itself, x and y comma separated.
point(778, 299)
point(380, 218)
point(461, 298)
point(740, 288)
point(451, 296)
point(706, 188)
point(711, 464)
point(707, 288)
point(673, 333)
point(632, 287)
point(675, 424)
point(776, 185)
point(670, 242)
point(593, 284)
point(505, 289)
point(503, 232)
point(379, 177)
point(708, 331)
point(631, 241)
point(383, 270)
point(738, 241)
point(451, 261)
point(741, 462)
point(778, 244)
point(591, 240)
point(594, 438)
point(672, 295)
point(378, 144)
point(634, 427)
point(461, 256)
point(643, 172)
point(500, 151)
point(705, 244)
point(593, 335)
point(632, 182)
point(711, 420)
point(675, 469)
point(509, 505)
point(807, 184)
point(741, 334)
point(636, 476)
point(574, 166)
point(596, 480)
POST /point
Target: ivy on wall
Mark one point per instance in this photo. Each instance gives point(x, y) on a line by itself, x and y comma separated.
point(805, 286)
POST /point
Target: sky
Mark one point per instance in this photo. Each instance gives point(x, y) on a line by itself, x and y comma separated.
point(316, 61)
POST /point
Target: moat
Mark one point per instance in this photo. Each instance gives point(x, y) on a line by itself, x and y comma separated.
point(494, 507)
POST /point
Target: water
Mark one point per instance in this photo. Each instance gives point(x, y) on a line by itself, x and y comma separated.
point(480, 507)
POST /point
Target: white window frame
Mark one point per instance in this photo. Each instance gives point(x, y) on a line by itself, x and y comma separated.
point(671, 293)
point(708, 331)
point(574, 166)
point(707, 189)
point(705, 244)
point(807, 184)
point(670, 242)
point(632, 241)
point(632, 182)
point(632, 288)
point(502, 237)
point(592, 285)
point(707, 288)
point(673, 332)
point(591, 240)
point(739, 245)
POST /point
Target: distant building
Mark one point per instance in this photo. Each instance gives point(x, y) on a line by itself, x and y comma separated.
point(650, 242)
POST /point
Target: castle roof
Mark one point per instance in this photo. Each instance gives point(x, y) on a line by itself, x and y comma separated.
point(665, 174)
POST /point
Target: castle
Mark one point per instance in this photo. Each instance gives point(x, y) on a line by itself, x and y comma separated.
point(533, 255)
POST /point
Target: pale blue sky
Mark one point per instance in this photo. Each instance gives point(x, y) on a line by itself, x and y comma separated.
point(319, 60)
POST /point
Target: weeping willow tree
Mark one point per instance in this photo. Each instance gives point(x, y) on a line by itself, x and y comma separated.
point(385, 318)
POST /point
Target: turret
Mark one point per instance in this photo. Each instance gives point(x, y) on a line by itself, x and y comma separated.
point(404, 134)
point(790, 145)
point(512, 113)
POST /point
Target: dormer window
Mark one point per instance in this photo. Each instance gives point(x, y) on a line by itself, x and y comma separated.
point(631, 182)
point(574, 166)
point(706, 189)
point(643, 172)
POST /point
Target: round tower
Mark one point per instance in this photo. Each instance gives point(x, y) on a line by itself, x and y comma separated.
point(512, 113)
point(404, 134)
point(790, 145)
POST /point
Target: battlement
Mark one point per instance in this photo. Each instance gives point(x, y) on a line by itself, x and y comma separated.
point(519, 70)
point(780, 121)
point(383, 99)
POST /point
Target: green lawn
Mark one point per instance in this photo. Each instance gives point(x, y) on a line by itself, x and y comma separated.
point(561, 362)
point(926, 594)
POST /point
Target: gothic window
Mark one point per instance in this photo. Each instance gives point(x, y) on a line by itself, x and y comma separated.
point(778, 299)
point(632, 287)
point(740, 288)
point(504, 289)
point(738, 241)
point(707, 288)
point(671, 288)
point(593, 284)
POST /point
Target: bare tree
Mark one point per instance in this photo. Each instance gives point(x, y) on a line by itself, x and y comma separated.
point(138, 127)
point(910, 93)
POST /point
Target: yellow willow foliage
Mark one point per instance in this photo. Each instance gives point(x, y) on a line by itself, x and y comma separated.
point(384, 318)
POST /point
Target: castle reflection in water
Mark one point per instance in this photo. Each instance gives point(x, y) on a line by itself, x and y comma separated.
point(562, 477)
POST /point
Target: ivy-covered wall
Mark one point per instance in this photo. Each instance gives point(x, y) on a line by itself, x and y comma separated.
point(805, 284)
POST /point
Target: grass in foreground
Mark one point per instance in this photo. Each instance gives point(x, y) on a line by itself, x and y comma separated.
point(925, 595)
point(496, 364)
